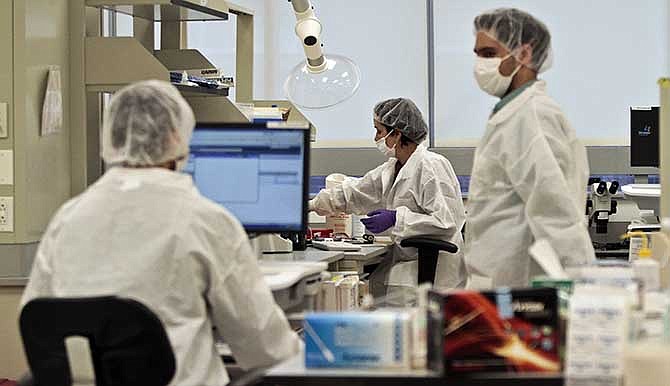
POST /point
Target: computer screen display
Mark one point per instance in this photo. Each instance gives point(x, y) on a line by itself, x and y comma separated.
point(644, 130)
point(258, 173)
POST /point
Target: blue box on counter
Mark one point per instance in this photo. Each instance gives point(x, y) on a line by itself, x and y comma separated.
point(358, 339)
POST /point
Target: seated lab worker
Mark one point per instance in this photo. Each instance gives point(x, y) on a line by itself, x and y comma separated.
point(414, 193)
point(143, 231)
point(530, 171)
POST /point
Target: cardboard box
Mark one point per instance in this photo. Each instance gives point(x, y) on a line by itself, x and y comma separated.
point(358, 339)
point(340, 293)
point(498, 331)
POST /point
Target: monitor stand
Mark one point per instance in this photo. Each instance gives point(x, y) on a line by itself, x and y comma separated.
point(271, 243)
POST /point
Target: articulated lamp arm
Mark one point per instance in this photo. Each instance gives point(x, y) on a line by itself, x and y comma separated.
point(318, 82)
point(308, 29)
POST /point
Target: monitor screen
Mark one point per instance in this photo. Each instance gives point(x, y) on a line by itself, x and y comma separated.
point(258, 173)
point(644, 128)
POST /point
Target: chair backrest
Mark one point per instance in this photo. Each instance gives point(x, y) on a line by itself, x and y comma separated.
point(128, 343)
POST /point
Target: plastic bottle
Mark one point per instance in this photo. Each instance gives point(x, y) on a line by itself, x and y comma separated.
point(419, 328)
point(646, 269)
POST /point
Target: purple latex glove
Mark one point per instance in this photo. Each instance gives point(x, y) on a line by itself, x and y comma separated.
point(379, 220)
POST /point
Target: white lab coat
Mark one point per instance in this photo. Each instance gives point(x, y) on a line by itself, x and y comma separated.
point(149, 235)
point(528, 183)
point(427, 198)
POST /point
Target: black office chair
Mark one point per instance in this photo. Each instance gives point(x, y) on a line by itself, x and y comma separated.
point(127, 341)
point(429, 250)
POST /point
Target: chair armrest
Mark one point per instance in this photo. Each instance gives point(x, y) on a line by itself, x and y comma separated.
point(427, 243)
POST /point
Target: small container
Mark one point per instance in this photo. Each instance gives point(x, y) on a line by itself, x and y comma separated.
point(339, 223)
point(357, 227)
point(635, 246)
point(646, 269)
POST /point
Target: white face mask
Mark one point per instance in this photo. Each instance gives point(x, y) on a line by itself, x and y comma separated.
point(489, 78)
point(384, 149)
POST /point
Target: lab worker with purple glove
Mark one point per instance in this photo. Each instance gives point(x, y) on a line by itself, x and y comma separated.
point(414, 193)
point(379, 221)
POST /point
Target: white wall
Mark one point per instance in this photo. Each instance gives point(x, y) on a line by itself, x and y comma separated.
point(608, 56)
point(388, 43)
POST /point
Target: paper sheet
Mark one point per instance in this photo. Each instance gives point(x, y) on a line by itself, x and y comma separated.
point(52, 109)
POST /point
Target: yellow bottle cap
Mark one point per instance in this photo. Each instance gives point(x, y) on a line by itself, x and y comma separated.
point(644, 253)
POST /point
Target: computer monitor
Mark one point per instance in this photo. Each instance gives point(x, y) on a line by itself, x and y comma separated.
point(644, 138)
point(259, 172)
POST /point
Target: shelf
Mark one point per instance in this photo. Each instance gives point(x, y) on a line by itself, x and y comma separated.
point(200, 91)
point(295, 115)
point(210, 109)
point(292, 372)
point(180, 60)
point(112, 63)
point(168, 10)
point(411, 380)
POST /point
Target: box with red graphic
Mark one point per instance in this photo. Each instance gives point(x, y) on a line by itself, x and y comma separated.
point(502, 330)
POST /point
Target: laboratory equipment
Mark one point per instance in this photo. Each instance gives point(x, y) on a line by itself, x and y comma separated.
point(609, 217)
point(601, 205)
point(320, 81)
point(644, 152)
point(294, 284)
point(645, 205)
point(259, 172)
point(329, 245)
point(646, 196)
point(644, 136)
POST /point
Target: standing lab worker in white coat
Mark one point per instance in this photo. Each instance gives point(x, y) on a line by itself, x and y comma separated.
point(414, 193)
point(530, 171)
point(143, 231)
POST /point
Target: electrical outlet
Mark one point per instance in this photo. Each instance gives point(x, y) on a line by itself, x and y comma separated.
point(7, 214)
point(4, 130)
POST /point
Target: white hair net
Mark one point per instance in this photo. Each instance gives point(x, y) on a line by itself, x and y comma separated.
point(147, 123)
point(514, 28)
point(402, 114)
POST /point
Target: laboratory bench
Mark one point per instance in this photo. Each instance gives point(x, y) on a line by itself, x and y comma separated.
point(337, 260)
point(308, 255)
point(293, 373)
point(294, 278)
point(368, 255)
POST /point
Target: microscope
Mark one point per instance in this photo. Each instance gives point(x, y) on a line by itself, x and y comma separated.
point(601, 205)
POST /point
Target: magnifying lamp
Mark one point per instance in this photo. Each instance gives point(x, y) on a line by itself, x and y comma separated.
point(320, 81)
